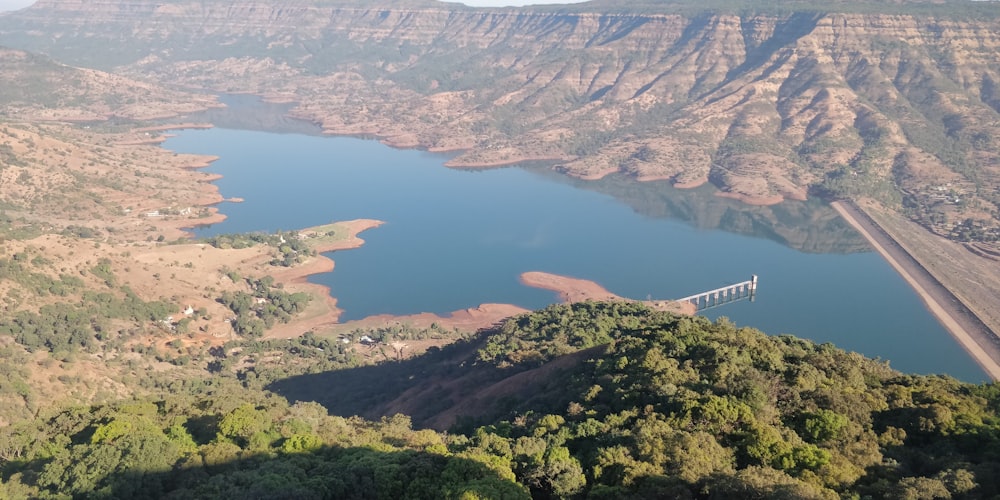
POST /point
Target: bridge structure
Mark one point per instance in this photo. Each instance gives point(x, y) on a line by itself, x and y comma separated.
point(730, 293)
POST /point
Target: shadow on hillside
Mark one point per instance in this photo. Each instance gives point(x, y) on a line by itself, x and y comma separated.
point(333, 472)
point(447, 390)
point(368, 390)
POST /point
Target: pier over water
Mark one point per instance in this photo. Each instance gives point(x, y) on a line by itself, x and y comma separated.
point(730, 293)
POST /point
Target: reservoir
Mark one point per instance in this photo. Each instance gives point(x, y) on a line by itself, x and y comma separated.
point(454, 239)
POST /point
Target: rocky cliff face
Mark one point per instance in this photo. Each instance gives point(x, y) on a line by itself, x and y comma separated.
point(765, 106)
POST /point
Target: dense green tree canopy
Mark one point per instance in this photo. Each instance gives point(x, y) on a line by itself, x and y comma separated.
point(641, 404)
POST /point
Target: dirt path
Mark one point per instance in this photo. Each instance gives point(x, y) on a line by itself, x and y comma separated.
point(971, 334)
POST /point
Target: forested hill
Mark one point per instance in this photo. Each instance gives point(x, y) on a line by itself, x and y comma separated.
point(634, 403)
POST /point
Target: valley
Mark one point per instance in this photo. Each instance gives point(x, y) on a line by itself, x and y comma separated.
point(454, 240)
point(164, 334)
point(857, 100)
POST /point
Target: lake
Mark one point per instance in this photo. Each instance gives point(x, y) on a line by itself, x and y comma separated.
point(454, 239)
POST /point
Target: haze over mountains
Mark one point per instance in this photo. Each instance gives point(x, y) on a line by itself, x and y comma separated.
point(6, 5)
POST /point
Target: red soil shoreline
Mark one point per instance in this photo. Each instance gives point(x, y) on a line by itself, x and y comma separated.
point(299, 278)
point(569, 290)
point(579, 290)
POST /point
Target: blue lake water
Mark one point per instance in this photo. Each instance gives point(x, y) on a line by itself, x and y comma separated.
point(454, 239)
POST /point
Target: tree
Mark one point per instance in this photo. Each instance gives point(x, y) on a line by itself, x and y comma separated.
point(559, 474)
point(243, 423)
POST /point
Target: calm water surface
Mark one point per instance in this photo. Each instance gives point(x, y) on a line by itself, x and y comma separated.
point(454, 239)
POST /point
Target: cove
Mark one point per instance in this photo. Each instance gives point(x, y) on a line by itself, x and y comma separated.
point(454, 239)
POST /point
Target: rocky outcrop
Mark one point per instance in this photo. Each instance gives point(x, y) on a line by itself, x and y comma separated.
point(767, 106)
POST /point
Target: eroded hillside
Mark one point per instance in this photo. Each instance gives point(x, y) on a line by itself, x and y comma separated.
point(34, 88)
point(767, 106)
point(99, 289)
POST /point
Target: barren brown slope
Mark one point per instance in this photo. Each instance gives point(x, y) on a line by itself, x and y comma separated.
point(436, 389)
point(468, 398)
point(34, 88)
